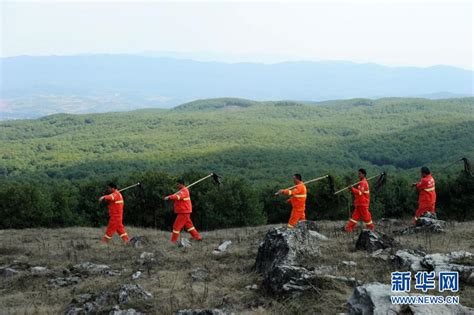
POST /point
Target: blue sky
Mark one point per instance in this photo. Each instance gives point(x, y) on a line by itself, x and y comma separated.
point(407, 33)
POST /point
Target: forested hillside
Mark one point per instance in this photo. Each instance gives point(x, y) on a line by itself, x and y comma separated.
point(63, 161)
point(263, 141)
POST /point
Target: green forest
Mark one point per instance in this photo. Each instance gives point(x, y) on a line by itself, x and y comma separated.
point(54, 168)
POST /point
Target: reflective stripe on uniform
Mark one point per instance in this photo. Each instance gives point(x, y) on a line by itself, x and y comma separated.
point(124, 234)
point(352, 220)
point(368, 223)
point(289, 192)
point(175, 232)
point(367, 192)
point(300, 196)
point(290, 226)
point(190, 229)
point(187, 198)
point(416, 218)
point(429, 189)
point(360, 192)
point(108, 237)
point(119, 201)
point(112, 196)
point(178, 197)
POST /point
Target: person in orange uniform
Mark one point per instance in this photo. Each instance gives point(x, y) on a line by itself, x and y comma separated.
point(297, 200)
point(426, 193)
point(183, 208)
point(361, 204)
point(115, 205)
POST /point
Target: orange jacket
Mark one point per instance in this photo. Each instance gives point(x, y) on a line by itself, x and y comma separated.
point(427, 192)
point(298, 197)
point(361, 193)
point(115, 204)
point(182, 201)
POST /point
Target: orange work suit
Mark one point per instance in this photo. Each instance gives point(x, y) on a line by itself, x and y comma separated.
point(183, 208)
point(361, 206)
point(426, 197)
point(298, 203)
point(115, 205)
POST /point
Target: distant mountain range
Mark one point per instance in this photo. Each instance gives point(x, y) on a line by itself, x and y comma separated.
point(38, 86)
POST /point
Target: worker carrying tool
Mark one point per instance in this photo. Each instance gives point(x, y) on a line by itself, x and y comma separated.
point(115, 205)
point(183, 208)
point(297, 200)
point(426, 194)
point(361, 204)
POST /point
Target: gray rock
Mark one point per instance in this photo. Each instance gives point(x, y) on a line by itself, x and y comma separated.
point(252, 287)
point(374, 298)
point(64, 281)
point(371, 241)
point(184, 242)
point(129, 292)
point(90, 268)
point(308, 225)
point(460, 261)
point(117, 311)
point(279, 255)
point(147, 256)
point(136, 241)
point(8, 272)
point(349, 263)
point(39, 270)
point(107, 301)
point(199, 274)
point(203, 312)
point(409, 259)
point(137, 275)
point(222, 247)
point(147, 259)
point(426, 223)
point(282, 246)
point(318, 236)
point(20, 265)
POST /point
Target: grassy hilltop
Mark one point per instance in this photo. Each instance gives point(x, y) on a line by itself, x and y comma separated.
point(169, 278)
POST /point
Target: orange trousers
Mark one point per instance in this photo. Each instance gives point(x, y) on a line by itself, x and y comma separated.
point(115, 225)
point(296, 216)
point(422, 209)
point(360, 212)
point(184, 220)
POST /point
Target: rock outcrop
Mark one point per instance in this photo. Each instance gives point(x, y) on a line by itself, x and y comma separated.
point(108, 301)
point(371, 241)
point(460, 261)
point(374, 298)
point(89, 268)
point(278, 259)
point(428, 222)
point(64, 281)
point(222, 247)
point(408, 259)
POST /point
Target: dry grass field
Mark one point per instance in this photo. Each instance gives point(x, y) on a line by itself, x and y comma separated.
point(169, 279)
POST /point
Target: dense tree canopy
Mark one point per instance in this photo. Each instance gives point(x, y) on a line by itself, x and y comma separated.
point(53, 169)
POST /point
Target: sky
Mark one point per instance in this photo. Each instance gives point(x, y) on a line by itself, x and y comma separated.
point(396, 33)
